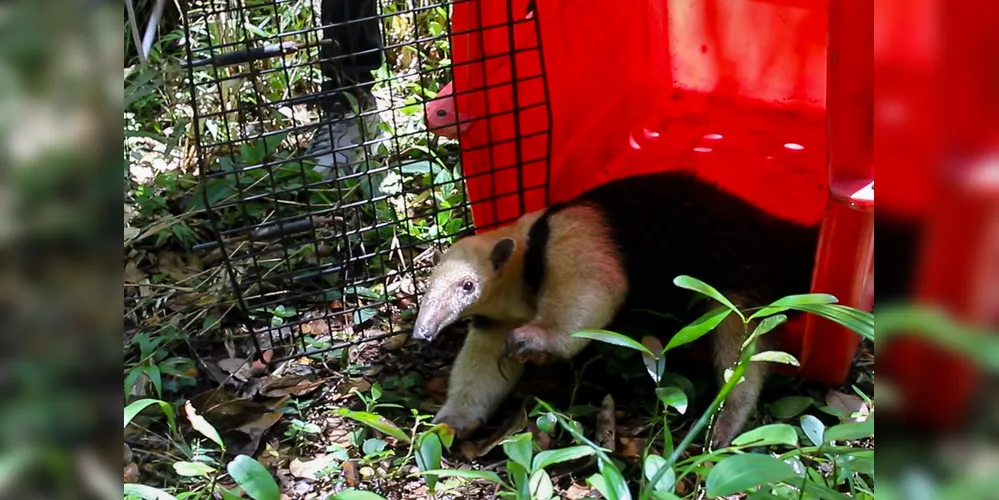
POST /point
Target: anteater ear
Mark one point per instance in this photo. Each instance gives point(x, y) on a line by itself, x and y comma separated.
point(502, 251)
point(437, 256)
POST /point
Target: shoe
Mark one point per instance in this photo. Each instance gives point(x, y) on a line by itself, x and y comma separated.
point(336, 144)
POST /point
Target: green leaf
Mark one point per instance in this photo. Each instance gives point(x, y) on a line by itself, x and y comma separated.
point(518, 476)
point(466, 474)
point(663, 495)
point(551, 457)
point(428, 456)
point(598, 483)
point(416, 167)
point(655, 362)
point(201, 425)
point(253, 478)
point(673, 396)
point(707, 322)
point(376, 422)
point(153, 372)
point(859, 321)
point(445, 433)
point(697, 285)
point(546, 422)
point(364, 315)
point(374, 445)
point(768, 435)
point(541, 486)
point(652, 465)
point(147, 492)
point(765, 327)
point(613, 338)
point(228, 494)
point(519, 449)
point(137, 406)
point(738, 473)
point(814, 428)
point(617, 487)
point(776, 357)
point(821, 491)
point(353, 494)
point(790, 406)
point(790, 301)
point(193, 469)
point(850, 431)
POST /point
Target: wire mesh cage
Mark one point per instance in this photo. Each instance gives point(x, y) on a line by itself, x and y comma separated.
point(327, 141)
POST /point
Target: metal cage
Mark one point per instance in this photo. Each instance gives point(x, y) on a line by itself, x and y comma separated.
point(322, 256)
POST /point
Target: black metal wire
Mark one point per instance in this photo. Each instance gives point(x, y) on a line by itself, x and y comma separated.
point(336, 246)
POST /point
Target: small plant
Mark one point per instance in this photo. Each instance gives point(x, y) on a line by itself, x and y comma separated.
point(155, 364)
point(201, 470)
point(526, 477)
point(734, 470)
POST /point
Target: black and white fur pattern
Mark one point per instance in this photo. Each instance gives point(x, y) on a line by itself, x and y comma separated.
point(587, 263)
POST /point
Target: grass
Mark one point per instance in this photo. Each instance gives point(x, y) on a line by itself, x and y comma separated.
point(204, 420)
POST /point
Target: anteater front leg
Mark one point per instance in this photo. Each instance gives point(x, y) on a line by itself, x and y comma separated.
point(583, 287)
point(480, 380)
point(741, 402)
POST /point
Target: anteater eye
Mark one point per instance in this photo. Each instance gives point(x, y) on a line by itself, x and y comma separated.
point(468, 286)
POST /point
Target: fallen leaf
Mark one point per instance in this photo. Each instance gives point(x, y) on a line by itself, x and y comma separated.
point(131, 474)
point(437, 387)
point(177, 266)
point(319, 327)
point(345, 387)
point(431, 405)
point(288, 386)
point(631, 447)
point(241, 369)
point(225, 411)
point(349, 471)
point(255, 430)
point(577, 492)
point(512, 425)
point(605, 423)
point(133, 274)
point(127, 454)
point(311, 468)
point(367, 471)
point(850, 404)
point(395, 342)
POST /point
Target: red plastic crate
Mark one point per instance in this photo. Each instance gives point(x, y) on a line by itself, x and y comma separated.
point(734, 90)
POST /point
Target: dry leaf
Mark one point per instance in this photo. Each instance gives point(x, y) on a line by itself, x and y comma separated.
point(395, 342)
point(541, 438)
point(632, 447)
point(349, 471)
point(431, 405)
point(288, 386)
point(345, 388)
point(577, 492)
point(131, 474)
point(850, 404)
point(437, 387)
point(241, 369)
point(311, 468)
point(605, 423)
point(256, 429)
point(179, 267)
point(512, 425)
point(133, 274)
